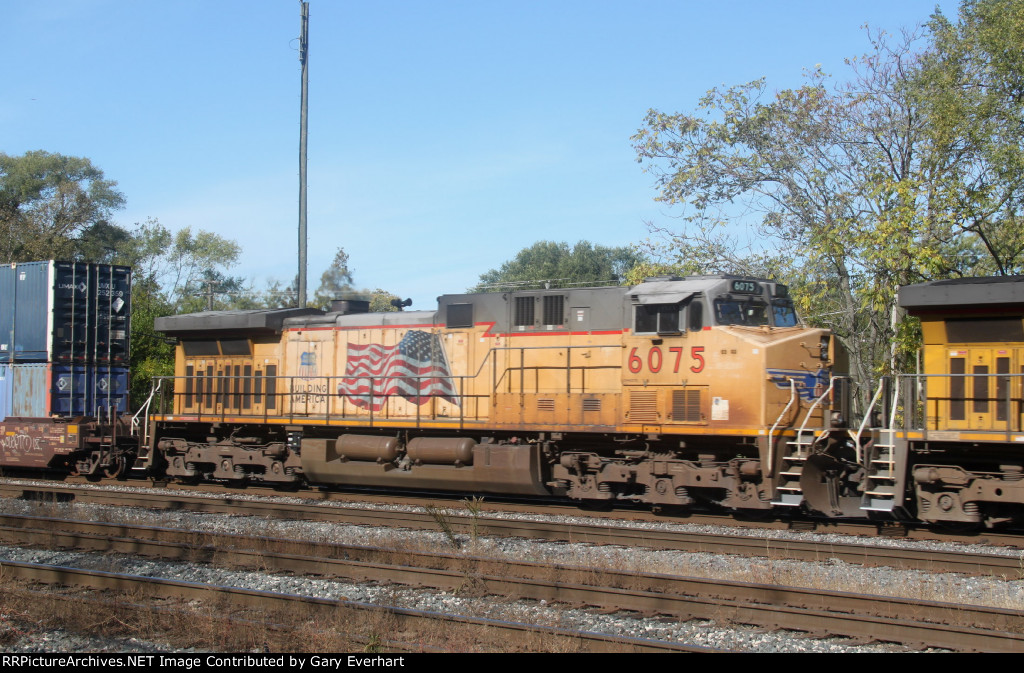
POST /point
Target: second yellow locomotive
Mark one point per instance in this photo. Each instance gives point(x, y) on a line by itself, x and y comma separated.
point(667, 392)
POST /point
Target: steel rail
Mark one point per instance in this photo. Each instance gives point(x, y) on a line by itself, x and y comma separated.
point(623, 513)
point(405, 619)
point(997, 565)
point(919, 623)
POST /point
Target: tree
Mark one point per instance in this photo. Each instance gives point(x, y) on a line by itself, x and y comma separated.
point(971, 88)
point(380, 301)
point(179, 266)
point(558, 265)
point(151, 354)
point(47, 200)
point(335, 282)
point(170, 271)
point(274, 296)
point(844, 190)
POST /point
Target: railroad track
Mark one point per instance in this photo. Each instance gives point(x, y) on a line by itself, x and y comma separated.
point(913, 623)
point(594, 532)
point(625, 513)
point(410, 624)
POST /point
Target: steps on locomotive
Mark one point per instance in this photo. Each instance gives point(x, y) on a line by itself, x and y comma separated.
point(788, 492)
point(884, 483)
point(141, 463)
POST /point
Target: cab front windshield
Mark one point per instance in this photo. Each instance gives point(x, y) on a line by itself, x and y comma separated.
point(754, 313)
point(741, 312)
point(783, 314)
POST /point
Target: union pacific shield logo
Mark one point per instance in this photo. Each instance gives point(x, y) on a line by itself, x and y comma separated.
point(809, 385)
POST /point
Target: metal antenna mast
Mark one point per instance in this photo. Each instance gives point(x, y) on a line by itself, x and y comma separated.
point(304, 60)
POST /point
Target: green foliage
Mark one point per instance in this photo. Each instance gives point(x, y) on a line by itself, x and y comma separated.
point(848, 191)
point(152, 354)
point(548, 262)
point(57, 207)
point(171, 271)
point(46, 201)
point(971, 92)
point(380, 301)
point(335, 281)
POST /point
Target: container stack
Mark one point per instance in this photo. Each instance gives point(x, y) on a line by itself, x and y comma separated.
point(64, 339)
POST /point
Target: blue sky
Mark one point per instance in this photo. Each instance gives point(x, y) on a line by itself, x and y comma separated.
point(444, 136)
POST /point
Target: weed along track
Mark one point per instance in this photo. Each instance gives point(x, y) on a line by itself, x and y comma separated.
point(923, 623)
point(410, 629)
point(449, 584)
point(469, 519)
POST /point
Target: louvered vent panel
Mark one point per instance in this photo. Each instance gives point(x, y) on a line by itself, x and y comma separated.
point(593, 404)
point(553, 312)
point(545, 405)
point(686, 406)
point(524, 311)
point(643, 406)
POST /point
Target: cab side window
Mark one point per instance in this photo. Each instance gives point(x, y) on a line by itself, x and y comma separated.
point(656, 319)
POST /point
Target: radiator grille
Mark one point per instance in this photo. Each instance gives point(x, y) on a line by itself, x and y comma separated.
point(686, 406)
point(643, 406)
point(553, 311)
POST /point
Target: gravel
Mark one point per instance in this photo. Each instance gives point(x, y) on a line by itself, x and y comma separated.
point(829, 573)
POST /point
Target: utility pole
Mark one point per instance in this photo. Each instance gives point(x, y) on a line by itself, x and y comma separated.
point(304, 60)
point(209, 294)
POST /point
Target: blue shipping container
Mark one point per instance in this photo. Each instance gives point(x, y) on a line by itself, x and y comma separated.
point(72, 312)
point(45, 390)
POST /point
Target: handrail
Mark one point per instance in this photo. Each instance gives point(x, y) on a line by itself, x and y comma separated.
point(895, 400)
point(770, 471)
point(867, 417)
point(810, 410)
point(1011, 397)
point(145, 409)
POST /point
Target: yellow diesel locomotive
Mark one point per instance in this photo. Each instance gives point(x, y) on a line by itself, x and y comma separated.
point(672, 391)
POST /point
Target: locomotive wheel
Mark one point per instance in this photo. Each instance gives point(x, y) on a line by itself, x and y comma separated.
point(117, 469)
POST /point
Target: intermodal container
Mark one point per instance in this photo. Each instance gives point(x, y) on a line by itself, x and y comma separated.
point(65, 312)
point(6, 391)
point(44, 390)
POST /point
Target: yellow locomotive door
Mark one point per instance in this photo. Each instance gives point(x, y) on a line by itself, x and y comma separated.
point(265, 400)
point(191, 398)
point(953, 389)
point(1002, 386)
point(969, 382)
point(229, 388)
point(981, 390)
point(1016, 410)
point(237, 386)
point(205, 387)
point(223, 398)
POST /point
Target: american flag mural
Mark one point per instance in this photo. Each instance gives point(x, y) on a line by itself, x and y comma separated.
point(416, 368)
